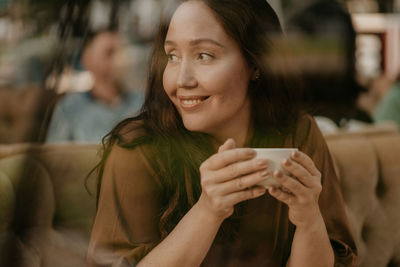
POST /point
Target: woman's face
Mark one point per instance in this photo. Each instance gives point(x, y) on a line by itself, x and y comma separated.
point(206, 76)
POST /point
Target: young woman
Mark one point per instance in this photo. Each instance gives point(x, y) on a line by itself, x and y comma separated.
point(179, 184)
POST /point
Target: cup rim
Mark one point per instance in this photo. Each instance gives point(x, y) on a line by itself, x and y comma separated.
point(260, 148)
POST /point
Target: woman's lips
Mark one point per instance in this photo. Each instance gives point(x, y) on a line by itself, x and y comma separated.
point(191, 102)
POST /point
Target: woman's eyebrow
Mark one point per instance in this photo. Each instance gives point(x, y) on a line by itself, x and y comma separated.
point(205, 40)
point(197, 42)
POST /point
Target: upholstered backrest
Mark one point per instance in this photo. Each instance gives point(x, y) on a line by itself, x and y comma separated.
point(368, 165)
point(48, 212)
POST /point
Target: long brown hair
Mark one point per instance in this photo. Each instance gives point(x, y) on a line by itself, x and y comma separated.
point(175, 153)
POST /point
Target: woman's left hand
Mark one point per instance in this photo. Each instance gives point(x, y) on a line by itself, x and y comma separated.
point(303, 187)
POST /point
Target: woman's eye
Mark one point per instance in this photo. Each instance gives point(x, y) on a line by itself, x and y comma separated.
point(172, 58)
point(205, 56)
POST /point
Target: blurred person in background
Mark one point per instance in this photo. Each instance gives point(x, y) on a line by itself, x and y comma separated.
point(388, 108)
point(327, 50)
point(88, 116)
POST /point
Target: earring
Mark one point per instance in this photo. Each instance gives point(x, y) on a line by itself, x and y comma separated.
point(256, 77)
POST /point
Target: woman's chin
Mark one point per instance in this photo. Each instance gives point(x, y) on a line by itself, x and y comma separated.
point(194, 127)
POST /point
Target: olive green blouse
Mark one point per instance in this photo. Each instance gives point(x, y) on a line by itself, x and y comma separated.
point(126, 223)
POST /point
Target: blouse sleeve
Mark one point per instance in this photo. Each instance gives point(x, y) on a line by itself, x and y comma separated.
point(126, 223)
point(310, 141)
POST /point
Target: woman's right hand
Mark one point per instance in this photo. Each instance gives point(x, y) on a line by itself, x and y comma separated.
point(230, 176)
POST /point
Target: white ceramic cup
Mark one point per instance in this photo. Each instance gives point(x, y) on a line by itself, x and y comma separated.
point(275, 156)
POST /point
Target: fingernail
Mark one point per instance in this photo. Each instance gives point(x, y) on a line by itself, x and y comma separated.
point(262, 162)
point(250, 152)
point(287, 162)
point(272, 189)
point(265, 173)
point(278, 174)
point(295, 154)
point(260, 191)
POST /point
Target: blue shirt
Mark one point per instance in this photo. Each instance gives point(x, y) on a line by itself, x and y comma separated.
point(389, 107)
point(81, 118)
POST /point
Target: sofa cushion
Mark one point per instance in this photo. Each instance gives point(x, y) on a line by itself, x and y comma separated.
point(68, 166)
point(53, 212)
point(32, 190)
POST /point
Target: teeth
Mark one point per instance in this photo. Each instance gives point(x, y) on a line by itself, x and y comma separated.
point(191, 101)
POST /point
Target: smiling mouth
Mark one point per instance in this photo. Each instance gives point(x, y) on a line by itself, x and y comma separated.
point(191, 102)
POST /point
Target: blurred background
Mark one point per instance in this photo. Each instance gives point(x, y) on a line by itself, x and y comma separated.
point(347, 54)
point(70, 70)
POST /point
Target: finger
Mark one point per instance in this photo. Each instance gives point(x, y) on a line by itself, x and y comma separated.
point(227, 157)
point(290, 183)
point(281, 195)
point(305, 161)
point(229, 144)
point(240, 168)
point(243, 182)
point(299, 172)
point(240, 196)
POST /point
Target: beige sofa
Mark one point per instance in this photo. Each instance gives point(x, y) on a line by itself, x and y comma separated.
point(368, 166)
point(44, 186)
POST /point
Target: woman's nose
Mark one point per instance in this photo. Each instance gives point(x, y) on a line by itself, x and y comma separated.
point(186, 77)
